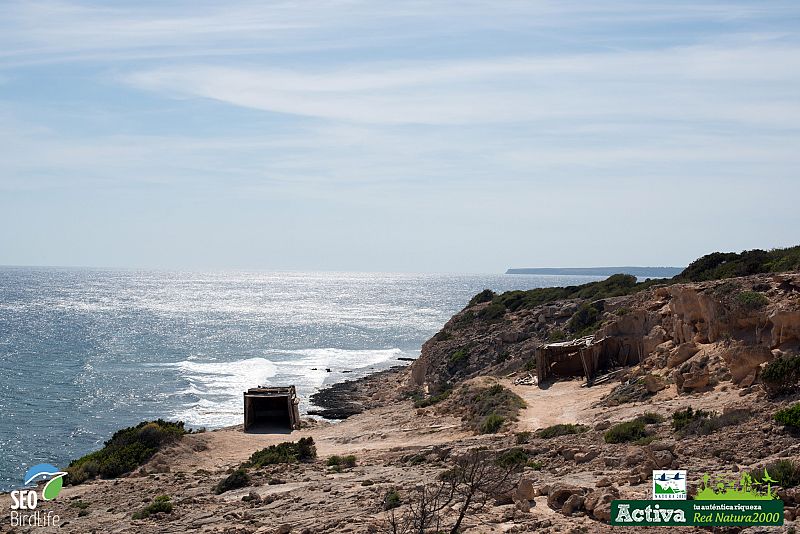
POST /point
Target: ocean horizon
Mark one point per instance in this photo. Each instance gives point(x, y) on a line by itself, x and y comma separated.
point(86, 351)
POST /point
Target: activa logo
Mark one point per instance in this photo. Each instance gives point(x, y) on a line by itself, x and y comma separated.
point(28, 499)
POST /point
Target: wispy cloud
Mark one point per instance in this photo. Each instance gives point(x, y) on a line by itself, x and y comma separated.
point(691, 83)
point(473, 120)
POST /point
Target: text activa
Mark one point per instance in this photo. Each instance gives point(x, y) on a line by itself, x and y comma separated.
point(650, 514)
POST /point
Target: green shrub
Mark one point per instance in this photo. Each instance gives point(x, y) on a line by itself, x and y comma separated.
point(391, 500)
point(237, 479)
point(561, 430)
point(683, 418)
point(492, 423)
point(535, 465)
point(342, 461)
point(789, 417)
point(556, 335)
point(785, 473)
point(288, 452)
point(720, 265)
point(613, 286)
point(751, 300)
point(587, 319)
point(523, 437)
point(492, 312)
point(650, 418)
point(482, 402)
point(127, 449)
point(782, 374)
point(484, 296)
point(433, 399)
point(160, 504)
point(625, 432)
point(458, 359)
point(512, 457)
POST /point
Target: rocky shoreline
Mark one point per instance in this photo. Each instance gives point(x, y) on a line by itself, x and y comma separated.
point(345, 399)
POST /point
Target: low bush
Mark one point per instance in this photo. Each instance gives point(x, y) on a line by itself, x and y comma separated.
point(161, 504)
point(561, 430)
point(348, 461)
point(492, 423)
point(626, 432)
point(127, 449)
point(702, 423)
point(490, 407)
point(784, 473)
point(492, 312)
point(556, 335)
point(650, 418)
point(790, 416)
point(782, 374)
point(484, 296)
point(536, 465)
point(433, 399)
point(512, 457)
point(237, 479)
point(391, 500)
point(457, 360)
point(288, 452)
point(587, 319)
point(751, 300)
point(683, 418)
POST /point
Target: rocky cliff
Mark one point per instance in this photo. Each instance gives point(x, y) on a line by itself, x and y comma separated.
point(687, 333)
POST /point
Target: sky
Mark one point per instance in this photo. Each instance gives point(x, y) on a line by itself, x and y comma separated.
point(412, 136)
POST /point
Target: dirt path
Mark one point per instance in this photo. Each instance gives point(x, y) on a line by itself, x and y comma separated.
point(562, 402)
point(368, 433)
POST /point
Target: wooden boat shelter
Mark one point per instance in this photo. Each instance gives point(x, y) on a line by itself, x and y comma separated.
point(568, 358)
point(271, 408)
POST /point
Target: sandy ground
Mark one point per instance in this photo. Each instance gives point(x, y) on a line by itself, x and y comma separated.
point(569, 401)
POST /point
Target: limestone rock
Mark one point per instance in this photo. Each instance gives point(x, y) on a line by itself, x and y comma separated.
point(573, 503)
point(653, 383)
point(744, 360)
point(525, 490)
point(682, 354)
point(603, 482)
point(559, 495)
point(588, 456)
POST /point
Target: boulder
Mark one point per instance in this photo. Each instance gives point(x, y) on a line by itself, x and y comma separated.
point(560, 493)
point(656, 337)
point(573, 504)
point(682, 354)
point(744, 361)
point(525, 490)
point(653, 383)
point(663, 459)
point(588, 456)
point(600, 496)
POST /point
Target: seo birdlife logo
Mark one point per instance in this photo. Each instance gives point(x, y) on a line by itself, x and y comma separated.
point(24, 502)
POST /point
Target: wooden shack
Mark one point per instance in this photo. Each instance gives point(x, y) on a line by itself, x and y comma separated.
point(568, 358)
point(271, 408)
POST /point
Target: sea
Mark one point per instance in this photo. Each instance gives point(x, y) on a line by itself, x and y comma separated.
point(84, 352)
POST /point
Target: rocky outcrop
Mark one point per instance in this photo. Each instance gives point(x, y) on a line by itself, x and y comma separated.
point(695, 335)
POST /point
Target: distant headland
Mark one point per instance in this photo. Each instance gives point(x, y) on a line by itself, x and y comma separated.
point(639, 272)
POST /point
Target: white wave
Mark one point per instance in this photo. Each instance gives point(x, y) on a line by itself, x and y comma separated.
point(340, 358)
point(219, 386)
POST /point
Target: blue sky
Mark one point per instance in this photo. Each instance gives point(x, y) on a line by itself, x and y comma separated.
point(396, 136)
